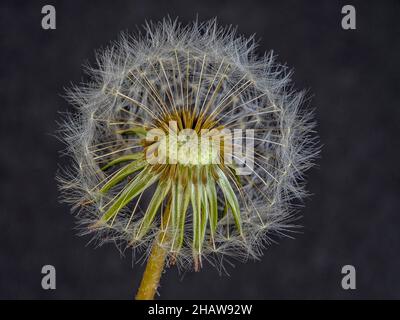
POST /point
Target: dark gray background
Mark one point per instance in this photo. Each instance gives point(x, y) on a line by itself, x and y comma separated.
point(352, 218)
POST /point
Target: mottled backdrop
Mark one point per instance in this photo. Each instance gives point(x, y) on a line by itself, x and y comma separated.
point(352, 218)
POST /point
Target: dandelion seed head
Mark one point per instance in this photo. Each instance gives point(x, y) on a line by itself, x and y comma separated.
point(195, 204)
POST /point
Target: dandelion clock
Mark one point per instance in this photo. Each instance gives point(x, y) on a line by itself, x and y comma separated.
point(186, 147)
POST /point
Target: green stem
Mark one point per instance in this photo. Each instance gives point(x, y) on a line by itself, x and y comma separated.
point(152, 273)
point(155, 263)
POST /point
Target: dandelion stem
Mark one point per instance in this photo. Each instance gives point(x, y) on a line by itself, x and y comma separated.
point(155, 263)
point(152, 274)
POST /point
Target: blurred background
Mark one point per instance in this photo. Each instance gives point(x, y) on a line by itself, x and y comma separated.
point(352, 217)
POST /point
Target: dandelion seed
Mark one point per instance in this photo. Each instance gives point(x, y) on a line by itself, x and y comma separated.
point(158, 120)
